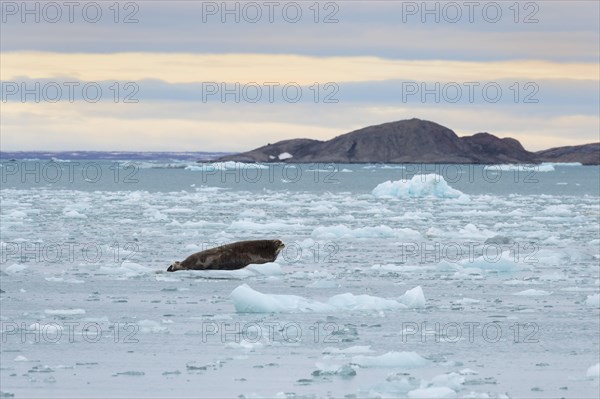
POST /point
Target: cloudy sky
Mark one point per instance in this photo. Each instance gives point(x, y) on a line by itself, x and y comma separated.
point(214, 76)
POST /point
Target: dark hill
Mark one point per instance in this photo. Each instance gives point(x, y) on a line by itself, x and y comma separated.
point(587, 154)
point(406, 141)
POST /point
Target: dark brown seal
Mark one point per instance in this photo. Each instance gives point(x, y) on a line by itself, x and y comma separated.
point(231, 256)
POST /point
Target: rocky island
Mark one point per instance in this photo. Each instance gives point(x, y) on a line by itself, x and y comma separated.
point(413, 141)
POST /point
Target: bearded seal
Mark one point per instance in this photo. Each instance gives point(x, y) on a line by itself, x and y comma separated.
point(232, 256)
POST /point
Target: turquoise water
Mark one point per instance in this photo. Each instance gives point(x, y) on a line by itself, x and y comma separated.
point(161, 176)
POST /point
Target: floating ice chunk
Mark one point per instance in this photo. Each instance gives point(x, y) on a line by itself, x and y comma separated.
point(363, 302)
point(351, 349)
point(73, 214)
point(532, 292)
point(413, 298)
point(467, 301)
point(419, 186)
point(593, 301)
point(247, 300)
point(151, 327)
point(166, 279)
point(391, 359)
point(16, 215)
point(246, 345)
point(228, 165)
point(468, 371)
point(266, 269)
point(63, 280)
point(253, 226)
point(471, 231)
point(593, 371)
point(545, 167)
point(431, 392)
point(563, 163)
point(16, 268)
point(127, 269)
point(503, 263)
point(21, 358)
point(64, 312)
point(557, 210)
point(382, 231)
point(179, 210)
point(284, 155)
point(449, 380)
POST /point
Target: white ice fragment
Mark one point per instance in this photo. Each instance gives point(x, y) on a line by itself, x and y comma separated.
point(73, 214)
point(151, 327)
point(593, 301)
point(391, 360)
point(284, 155)
point(503, 263)
point(247, 300)
point(351, 349)
point(467, 301)
point(16, 268)
point(532, 292)
point(449, 380)
point(413, 298)
point(381, 231)
point(350, 301)
point(246, 345)
point(431, 185)
point(545, 167)
point(431, 392)
point(64, 312)
point(593, 371)
point(228, 165)
point(127, 269)
point(468, 371)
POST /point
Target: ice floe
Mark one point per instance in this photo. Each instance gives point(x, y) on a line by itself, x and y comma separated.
point(418, 186)
point(247, 300)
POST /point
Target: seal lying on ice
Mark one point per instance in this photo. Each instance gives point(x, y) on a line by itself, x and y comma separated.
point(231, 256)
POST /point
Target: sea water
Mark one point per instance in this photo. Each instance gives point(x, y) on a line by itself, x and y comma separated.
point(396, 280)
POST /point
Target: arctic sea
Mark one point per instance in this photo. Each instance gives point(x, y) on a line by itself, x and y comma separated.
point(417, 281)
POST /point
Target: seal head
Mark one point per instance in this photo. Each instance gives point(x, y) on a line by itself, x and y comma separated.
point(175, 266)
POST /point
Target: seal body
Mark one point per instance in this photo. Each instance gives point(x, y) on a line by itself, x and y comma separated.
point(231, 256)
